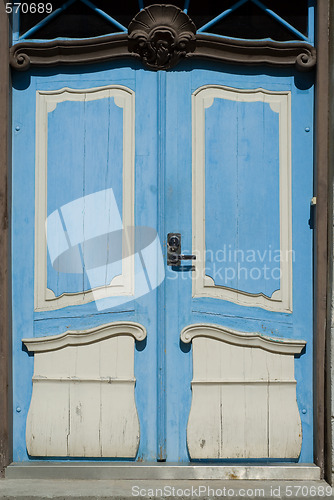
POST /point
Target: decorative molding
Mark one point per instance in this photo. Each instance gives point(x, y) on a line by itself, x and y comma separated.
point(113, 47)
point(255, 52)
point(242, 339)
point(68, 52)
point(83, 337)
point(83, 401)
point(46, 102)
point(243, 395)
point(204, 286)
point(162, 35)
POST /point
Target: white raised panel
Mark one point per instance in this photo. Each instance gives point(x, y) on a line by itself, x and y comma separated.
point(83, 402)
point(243, 395)
point(203, 285)
point(46, 102)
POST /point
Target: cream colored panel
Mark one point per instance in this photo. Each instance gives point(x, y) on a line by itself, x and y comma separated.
point(243, 395)
point(83, 402)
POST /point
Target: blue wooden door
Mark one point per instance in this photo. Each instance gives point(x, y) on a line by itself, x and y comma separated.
point(210, 359)
point(238, 187)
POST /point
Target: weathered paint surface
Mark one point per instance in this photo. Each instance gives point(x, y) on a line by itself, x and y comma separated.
point(92, 151)
point(168, 156)
point(187, 310)
point(83, 394)
point(84, 195)
point(242, 137)
point(228, 128)
point(244, 395)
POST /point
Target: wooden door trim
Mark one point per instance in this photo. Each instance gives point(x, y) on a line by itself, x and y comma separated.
point(323, 219)
point(5, 275)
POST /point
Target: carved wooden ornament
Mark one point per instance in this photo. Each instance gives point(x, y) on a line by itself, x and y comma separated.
point(161, 35)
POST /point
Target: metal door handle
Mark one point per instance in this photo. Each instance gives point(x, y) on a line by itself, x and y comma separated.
point(187, 257)
point(174, 255)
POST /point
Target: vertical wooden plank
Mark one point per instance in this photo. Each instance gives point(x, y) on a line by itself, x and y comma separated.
point(287, 443)
point(206, 413)
point(84, 402)
point(48, 425)
point(108, 356)
point(65, 183)
point(48, 422)
point(282, 389)
point(85, 407)
point(321, 233)
point(256, 404)
point(161, 319)
point(5, 356)
point(256, 363)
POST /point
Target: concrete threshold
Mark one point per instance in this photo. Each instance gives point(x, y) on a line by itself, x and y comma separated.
point(160, 471)
point(41, 489)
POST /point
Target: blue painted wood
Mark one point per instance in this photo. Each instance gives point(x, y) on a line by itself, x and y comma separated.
point(242, 208)
point(65, 184)
point(174, 297)
point(178, 284)
point(46, 20)
point(280, 20)
point(105, 16)
point(89, 161)
point(311, 21)
point(22, 258)
point(161, 316)
point(238, 317)
point(58, 11)
point(311, 17)
point(16, 26)
point(221, 16)
point(146, 214)
point(186, 6)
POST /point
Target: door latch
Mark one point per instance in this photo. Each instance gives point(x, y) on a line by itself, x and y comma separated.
point(174, 255)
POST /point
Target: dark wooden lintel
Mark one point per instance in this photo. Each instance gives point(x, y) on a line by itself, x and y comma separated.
point(95, 50)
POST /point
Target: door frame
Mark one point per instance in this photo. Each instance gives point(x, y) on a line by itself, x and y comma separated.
point(5, 254)
point(323, 264)
point(322, 251)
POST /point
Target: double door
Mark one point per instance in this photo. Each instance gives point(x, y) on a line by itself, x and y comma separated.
point(120, 352)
